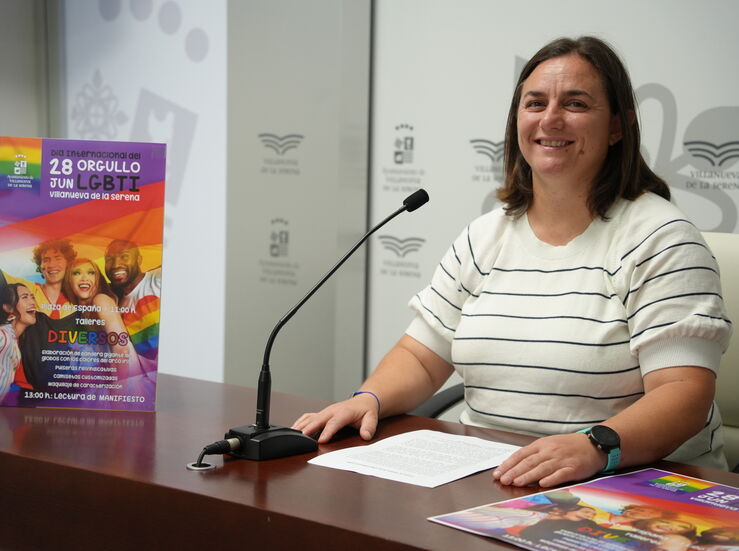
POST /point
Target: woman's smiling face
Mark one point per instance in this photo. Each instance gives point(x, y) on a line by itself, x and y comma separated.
point(565, 124)
point(25, 310)
point(84, 280)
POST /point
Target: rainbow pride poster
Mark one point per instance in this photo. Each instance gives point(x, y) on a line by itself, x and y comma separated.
point(645, 510)
point(81, 226)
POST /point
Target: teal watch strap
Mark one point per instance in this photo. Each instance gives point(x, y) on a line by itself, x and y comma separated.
point(613, 456)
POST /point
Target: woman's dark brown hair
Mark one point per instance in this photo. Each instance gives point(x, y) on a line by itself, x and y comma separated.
point(624, 174)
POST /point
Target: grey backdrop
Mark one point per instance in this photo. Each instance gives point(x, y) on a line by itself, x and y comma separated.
point(297, 190)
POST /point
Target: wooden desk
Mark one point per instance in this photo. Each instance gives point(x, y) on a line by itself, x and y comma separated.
point(73, 479)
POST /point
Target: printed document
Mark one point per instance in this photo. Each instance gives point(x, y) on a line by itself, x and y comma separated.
point(423, 457)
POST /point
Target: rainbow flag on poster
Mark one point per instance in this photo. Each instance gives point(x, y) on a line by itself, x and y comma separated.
point(81, 226)
point(644, 510)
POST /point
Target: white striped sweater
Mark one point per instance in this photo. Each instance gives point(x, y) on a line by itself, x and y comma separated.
point(553, 339)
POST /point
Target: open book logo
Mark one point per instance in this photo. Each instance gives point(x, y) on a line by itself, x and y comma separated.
point(280, 144)
point(401, 247)
point(716, 155)
point(492, 150)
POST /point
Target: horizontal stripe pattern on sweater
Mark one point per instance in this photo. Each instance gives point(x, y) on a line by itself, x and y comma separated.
point(548, 338)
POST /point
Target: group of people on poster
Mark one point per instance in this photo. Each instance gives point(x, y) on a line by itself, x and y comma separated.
point(79, 315)
point(560, 514)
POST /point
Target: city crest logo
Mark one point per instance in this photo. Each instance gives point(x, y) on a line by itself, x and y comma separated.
point(20, 166)
point(278, 268)
point(678, 484)
point(403, 175)
point(404, 145)
point(279, 238)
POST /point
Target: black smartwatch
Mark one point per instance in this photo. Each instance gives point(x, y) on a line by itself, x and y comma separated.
point(608, 441)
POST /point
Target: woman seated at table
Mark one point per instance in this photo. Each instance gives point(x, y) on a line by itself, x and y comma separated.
point(587, 311)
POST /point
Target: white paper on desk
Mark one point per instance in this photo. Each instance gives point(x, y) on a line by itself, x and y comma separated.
point(423, 457)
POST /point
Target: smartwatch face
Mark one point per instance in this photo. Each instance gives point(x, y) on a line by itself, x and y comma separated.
point(606, 437)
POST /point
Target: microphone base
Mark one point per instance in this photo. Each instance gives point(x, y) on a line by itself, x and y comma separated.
point(261, 444)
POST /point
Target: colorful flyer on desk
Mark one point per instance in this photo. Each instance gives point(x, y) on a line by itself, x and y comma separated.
point(644, 510)
point(81, 226)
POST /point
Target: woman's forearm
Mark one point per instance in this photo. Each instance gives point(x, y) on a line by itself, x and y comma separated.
point(673, 409)
point(408, 375)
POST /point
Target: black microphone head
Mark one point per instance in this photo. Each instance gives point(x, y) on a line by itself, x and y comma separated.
point(416, 199)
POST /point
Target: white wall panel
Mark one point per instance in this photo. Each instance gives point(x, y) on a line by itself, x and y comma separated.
point(298, 124)
point(154, 70)
point(444, 74)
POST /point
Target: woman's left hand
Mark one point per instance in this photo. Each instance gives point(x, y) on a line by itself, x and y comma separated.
point(552, 460)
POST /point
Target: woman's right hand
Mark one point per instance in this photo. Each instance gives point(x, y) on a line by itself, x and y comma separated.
point(360, 412)
point(406, 376)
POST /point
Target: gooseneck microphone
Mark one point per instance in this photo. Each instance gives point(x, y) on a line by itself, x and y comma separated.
point(261, 440)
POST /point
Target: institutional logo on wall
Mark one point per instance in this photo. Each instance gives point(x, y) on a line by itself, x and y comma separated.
point(492, 170)
point(280, 162)
point(491, 150)
point(401, 247)
point(404, 145)
point(401, 176)
point(489, 169)
point(706, 165)
point(716, 155)
point(281, 144)
point(279, 238)
point(95, 113)
point(398, 248)
point(711, 145)
point(277, 268)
